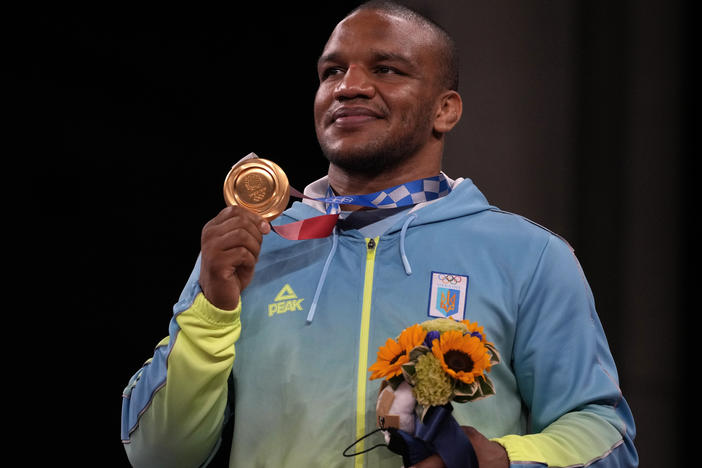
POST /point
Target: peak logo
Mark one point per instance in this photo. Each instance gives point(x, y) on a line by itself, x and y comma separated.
point(285, 300)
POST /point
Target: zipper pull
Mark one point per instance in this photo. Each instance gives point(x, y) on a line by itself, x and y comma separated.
point(371, 244)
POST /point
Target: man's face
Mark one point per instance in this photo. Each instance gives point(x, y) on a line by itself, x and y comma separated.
point(378, 92)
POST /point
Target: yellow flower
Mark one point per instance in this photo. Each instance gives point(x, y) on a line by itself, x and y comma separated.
point(395, 353)
point(474, 329)
point(463, 357)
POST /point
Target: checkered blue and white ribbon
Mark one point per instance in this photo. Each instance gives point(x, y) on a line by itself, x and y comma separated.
point(410, 193)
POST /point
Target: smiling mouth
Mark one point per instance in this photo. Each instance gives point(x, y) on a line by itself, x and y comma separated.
point(353, 116)
point(351, 120)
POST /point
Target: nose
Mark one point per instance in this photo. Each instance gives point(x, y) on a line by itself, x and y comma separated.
point(355, 83)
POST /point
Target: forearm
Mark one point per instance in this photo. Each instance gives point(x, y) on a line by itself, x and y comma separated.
point(566, 374)
point(173, 413)
point(592, 436)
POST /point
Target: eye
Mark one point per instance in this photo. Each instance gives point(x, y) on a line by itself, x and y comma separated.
point(386, 70)
point(331, 71)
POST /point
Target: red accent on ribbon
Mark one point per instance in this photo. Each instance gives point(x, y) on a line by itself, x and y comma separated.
point(311, 228)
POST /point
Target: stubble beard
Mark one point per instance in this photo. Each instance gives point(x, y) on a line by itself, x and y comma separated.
point(370, 159)
point(384, 153)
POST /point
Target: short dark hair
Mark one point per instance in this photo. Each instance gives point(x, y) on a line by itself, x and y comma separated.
point(448, 54)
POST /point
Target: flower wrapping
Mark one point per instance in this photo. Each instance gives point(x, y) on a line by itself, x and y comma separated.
point(442, 360)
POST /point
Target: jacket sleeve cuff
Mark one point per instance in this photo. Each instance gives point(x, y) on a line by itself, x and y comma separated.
point(521, 451)
point(212, 314)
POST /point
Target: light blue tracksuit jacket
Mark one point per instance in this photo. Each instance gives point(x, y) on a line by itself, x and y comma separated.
point(310, 323)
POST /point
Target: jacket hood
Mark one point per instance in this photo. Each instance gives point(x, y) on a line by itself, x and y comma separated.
point(464, 199)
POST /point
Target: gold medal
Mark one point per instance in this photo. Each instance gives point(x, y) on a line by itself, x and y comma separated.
point(258, 185)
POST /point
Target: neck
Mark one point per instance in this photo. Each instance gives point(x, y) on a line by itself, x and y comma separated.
point(348, 183)
point(352, 183)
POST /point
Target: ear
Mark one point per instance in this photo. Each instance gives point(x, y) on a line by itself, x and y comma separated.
point(449, 112)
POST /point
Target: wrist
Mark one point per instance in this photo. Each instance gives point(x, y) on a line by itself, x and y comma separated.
point(215, 314)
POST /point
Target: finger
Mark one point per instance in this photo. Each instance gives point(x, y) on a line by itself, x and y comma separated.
point(433, 461)
point(233, 260)
point(239, 238)
point(236, 211)
point(233, 225)
point(232, 229)
point(472, 433)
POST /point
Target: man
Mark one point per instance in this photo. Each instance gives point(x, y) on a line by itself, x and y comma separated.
point(307, 316)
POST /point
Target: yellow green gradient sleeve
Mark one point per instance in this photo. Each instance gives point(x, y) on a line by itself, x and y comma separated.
point(174, 407)
point(567, 378)
point(568, 441)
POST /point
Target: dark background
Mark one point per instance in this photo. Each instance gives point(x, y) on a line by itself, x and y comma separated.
point(577, 114)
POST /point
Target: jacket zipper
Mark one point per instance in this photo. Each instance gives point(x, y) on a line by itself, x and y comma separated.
point(362, 378)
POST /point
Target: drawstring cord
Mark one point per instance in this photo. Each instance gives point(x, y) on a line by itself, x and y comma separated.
point(335, 241)
point(323, 277)
point(405, 261)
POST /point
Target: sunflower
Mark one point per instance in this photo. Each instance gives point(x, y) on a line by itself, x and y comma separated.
point(474, 330)
point(463, 357)
point(395, 353)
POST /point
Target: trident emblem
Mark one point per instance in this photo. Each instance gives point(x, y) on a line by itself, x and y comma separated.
point(448, 302)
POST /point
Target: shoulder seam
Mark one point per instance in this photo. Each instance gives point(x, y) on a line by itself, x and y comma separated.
point(534, 223)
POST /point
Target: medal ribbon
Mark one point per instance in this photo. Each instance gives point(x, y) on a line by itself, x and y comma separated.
point(410, 193)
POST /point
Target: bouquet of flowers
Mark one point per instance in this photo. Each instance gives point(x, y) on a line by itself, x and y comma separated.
point(428, 366)
point(438, 361)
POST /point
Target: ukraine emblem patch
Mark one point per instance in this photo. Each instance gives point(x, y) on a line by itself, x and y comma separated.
point(448, 295)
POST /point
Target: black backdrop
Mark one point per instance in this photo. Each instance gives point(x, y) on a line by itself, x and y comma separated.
point(136, 116)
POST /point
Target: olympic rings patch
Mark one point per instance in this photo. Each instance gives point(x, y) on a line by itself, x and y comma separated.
point(448, 295)
point(451, 279)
